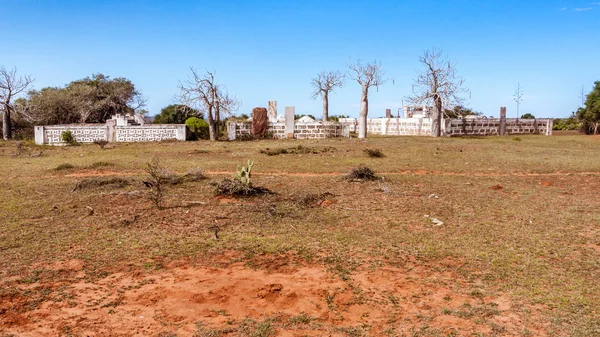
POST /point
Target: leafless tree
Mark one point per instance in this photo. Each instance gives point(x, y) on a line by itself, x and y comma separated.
point(11, 86)
point(202, 92)
point(325, 83)
point(437, 85)
point(367, 75)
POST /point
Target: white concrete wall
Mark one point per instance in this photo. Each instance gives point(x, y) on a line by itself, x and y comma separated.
point(88, 133)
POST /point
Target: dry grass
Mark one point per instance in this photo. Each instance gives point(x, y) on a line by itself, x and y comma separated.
point(536, 239)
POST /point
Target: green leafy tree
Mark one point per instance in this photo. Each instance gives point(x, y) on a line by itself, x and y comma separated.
point(589, 115)
point(90, 100)
point(528, 116)
point(176, 114)
point(199, 128)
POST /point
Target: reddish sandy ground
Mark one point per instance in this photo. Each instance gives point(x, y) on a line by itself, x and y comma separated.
point(174, 299)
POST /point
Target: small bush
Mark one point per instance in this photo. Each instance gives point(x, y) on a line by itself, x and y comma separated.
point(296, 150)
point(157, 179)
point(234, 187)
point(374, 153)
point(199, 128)
point(67, 137)
point(274, 152)
point(65, 166)
point(115, 182)
point(315, 199)
point(101, 142)
point(361, 172)
point(517, 139)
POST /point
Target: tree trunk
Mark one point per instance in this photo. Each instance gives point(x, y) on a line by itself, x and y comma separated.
point(436, 123)
point(364, 111)
point(596, 126)
point(6, 126)
point(211, 124)
point(325, 106)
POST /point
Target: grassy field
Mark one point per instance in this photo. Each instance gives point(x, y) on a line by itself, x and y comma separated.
point(518, 253)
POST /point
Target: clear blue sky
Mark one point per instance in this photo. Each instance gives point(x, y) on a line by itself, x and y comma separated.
point(269, 50)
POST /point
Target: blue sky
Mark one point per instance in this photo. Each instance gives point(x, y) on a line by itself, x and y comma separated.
point(270, 50)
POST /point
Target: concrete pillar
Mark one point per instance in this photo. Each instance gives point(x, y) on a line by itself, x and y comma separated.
point(111, 130)
point(388, 113)
point(290, 115)
point(272, 112)
point(231, 131)
point(502, 120)
point(39, 135)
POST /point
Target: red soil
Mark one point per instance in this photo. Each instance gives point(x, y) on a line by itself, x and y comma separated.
point(174, 299)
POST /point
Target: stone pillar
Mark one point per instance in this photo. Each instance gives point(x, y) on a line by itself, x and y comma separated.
point(502, 120)
point(111, 130)
point(231, 131)
point(39, 135)
point(549, 126)
point(405, 109)
point(388, 113)
point(272, 111)
point(290, 115)
point(259, 122)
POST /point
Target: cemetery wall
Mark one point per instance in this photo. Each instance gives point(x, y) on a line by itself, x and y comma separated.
point(88, 133)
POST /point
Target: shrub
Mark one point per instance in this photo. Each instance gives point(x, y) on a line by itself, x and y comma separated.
point(67, 137)
point(361, 172)
point(156, 180)
point(374, 153)
point(101, 142)
point(115, 182)
point(65, 166)
point(198, 128)
point(296, 150)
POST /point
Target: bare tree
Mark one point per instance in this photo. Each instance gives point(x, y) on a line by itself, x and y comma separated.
point(11, 86)
point(367, 75)
point(325, 83)
point(437, 85)
point(202, 92)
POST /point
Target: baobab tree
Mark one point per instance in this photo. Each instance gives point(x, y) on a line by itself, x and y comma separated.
point(325, 83)
point(11, 86)
point(201, 92)
point(437, 85)
point(367, 75)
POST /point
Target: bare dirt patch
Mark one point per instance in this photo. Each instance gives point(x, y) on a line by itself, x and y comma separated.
point(310, 299)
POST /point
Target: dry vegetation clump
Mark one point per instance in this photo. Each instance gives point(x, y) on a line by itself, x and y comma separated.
point(315, 199)
point(22, 148)
point(156, 180)
point(234, 187)
point(297, 150)
point(193, 175)
point(64, 167)
point(100, 164)
point(101, 142)
point(374, 153)
point(361, 172)
point(113, 182)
